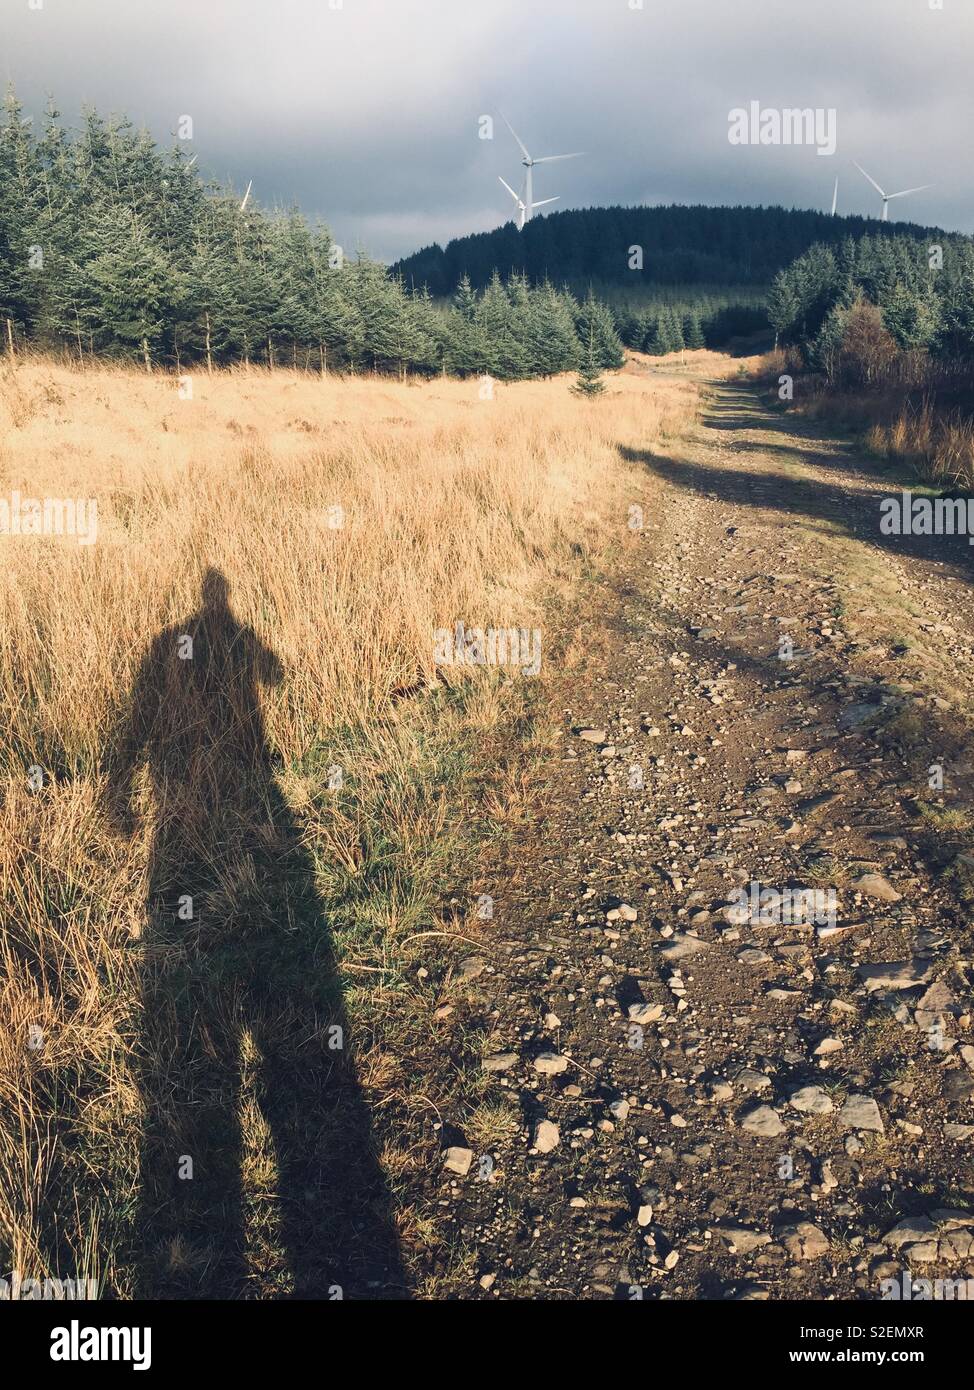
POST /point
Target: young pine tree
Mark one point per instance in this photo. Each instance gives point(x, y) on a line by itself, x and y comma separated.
point(594, 320)
point(693, 336)
point(589, 381)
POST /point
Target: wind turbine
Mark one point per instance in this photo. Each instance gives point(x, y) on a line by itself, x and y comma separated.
point(522, 206)
point(835, 197)
point(246, 195)
point(887, 196)
point(527, 201)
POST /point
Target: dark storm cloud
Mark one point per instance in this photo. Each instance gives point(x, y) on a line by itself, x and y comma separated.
point(366, 113)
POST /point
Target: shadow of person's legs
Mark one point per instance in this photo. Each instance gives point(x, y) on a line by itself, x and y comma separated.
point(334, 1206)
point(253, 971)
point(188, 1229)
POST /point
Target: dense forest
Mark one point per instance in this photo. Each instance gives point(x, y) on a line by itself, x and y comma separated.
point(679, 245)
point(111, 247)
point(690, 317)
point(922, 286)
point(882, 332)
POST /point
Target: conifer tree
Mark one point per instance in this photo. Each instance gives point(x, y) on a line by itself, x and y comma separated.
point(504, 354)
point(692, 332)
point(782, 306)
point(594, 321)
point(589, 382)
point(125, 288)
point(561, 348)
point(653, 341)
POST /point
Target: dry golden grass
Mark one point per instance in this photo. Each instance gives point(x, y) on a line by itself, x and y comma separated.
point(698, 362)
point(939, 446)
point(901, 422)
point(452, 509)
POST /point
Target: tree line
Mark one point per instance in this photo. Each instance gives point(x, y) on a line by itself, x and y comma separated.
point(921, 286)
point(688, 323)
point(636, 246)
point(110, 246)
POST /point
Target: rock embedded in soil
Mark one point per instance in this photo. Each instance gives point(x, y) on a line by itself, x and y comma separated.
point(645, 1013)
point(458, 1160)
point(763, 1121)
point(739, 1240)
point(875, 886)
point(811, 1100)
point(622, 913)
point(499, 1061)
point(805, 1241)
point(550, 1063)
point(959, 1086)
point(471, 968)
point(546, 1137)
point(681, 947)
point(943, 1235)
point(750, 1080)
point(894, 974)
point(861, 1112)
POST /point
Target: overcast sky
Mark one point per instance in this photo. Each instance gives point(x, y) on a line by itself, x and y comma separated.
point(366, 114)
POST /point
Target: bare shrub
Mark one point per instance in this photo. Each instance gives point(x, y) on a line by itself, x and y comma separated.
point(867, 352)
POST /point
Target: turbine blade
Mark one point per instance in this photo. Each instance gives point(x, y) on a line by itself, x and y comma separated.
point(870, 178)
point(510, 189)
point(246, 195)
point(905, 191)
point(550, 158)
point(514, 133)
point(542, 201)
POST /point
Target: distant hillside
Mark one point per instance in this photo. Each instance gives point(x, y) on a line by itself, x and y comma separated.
point(681, 245)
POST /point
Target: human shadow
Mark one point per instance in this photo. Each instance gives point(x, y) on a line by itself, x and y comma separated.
point(258, 1175)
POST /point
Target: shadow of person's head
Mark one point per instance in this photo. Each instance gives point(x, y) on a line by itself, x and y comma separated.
point(216, 591)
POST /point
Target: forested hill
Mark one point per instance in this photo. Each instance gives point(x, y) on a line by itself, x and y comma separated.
point(680, 245)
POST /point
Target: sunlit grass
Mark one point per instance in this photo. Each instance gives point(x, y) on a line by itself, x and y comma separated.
point(351, 518)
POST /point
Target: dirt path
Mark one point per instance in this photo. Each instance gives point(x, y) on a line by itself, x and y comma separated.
point(683, 1100)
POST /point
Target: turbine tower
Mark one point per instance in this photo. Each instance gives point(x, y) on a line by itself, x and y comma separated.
point(835, 197)
point(526, 202)
point(522, 206)
point(887, 196)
